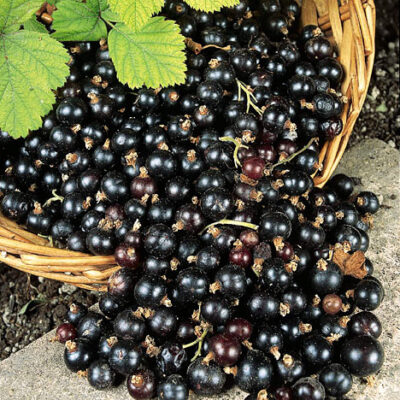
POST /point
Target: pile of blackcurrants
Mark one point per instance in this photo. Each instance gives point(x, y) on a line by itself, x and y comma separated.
point(235, 268)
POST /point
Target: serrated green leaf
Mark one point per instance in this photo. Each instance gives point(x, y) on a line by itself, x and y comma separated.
point(211, 5)
point(136, 13)
point(13, 13)
point(154, 56)
point(110, 16)
point(33, 25)
point(31, 65)
point(74, 20)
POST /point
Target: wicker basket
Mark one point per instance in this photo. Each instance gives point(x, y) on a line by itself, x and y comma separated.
point(350, 27)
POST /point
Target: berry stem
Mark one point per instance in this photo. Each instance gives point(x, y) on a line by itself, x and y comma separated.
point(231, 222)
point(55, 197)
point(238, 144)
point(250, 97)
point(294, 155)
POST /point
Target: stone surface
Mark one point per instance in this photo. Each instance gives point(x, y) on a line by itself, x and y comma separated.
point(38, 372)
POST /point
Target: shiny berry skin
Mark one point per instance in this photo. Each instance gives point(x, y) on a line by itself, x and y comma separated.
point(282, 393)
point(128, 327)
point(121, 284)
point(100, 375)
point(65, 332)
point(342, 185)
point(244, 61)
point(348, 233)
point(205, 379)
point(275, 118)
point(332, 304)
point(262, 306)
point(365, 323)
point(316, 351)
point(105, 70)
point(268, 338)
point(231, 281)
point(159, 241)
point(177, 189)
point(368, 294)
point(310, 236)
point(78, 355)
point(254, 371)
point(362, 355)
point(330, 128)
point(336, 379)
point(173, 388)
point(318, 48)
point(296, 183)
point(109, 306)
point(216, 203)
point(150, 291)
point(90, 327)
point(239, 328)
point(325, 277)
point(101, 107)
point(216, 310)
point(161, 164)
point(75, 205)
point(163, 323)
point(301, 87)
point(185, 332)
point(274, 276)
point(172, 359)
point(142, 185)
point(274, 224)
point(100, 242)
point(192, 285)
point(209, 92)
point(71, 111)
point(249, 238)
point(254, 167)
point(308, 389)
point(124, 357)
point(211, 178)
point(208, 259)
point(127, 256)
point(367, 202)
point(75, 313)
point(241, 256)
point(190, 218)
point(330, 68)
point(226, 349)
point(220, 72)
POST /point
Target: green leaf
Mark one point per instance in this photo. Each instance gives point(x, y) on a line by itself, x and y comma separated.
point(136, 13)
point(31, 65)
point(33, 25)
point(382, 108)
point(32, 304)
point(154, 56)
point(211, 5)
point(13, 13)
point(74, 20)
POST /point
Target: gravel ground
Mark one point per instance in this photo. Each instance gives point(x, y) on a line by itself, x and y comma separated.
point(380, 118)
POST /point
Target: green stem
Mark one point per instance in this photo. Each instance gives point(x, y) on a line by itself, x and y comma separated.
point(250, 97)
point(238, 144)
point(199, 341)
point(55, 197)
point(231, 222)
point(294, 155)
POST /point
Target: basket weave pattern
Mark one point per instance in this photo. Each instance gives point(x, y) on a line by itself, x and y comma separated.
point(351, 29)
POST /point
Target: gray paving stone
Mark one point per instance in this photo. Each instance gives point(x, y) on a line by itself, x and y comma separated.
point(37, 372)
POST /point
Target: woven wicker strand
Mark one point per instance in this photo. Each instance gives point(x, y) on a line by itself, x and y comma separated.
point(351, 29)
